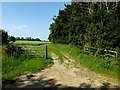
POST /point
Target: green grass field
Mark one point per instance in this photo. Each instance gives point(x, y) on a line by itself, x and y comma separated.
point(22, 42)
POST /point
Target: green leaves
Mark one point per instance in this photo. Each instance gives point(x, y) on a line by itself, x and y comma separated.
point(96, 24)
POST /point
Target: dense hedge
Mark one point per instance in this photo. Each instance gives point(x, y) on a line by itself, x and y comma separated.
point(94, 24)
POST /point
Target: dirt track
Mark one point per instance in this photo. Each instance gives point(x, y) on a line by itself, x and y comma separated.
point(63, 75)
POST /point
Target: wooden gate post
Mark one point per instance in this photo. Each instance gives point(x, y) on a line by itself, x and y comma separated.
point(46, 53)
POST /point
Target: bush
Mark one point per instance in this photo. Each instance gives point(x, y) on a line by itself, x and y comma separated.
point(4, 36)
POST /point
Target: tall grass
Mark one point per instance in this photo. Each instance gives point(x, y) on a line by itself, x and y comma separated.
point(105, 66)
point(13, 66)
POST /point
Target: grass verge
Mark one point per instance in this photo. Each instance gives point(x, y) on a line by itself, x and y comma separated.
point(13, 67)
point(105, 66)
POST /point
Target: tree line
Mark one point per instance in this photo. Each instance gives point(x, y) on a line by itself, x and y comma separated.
point(7, 38)
point(95, 24)
point(28, 39)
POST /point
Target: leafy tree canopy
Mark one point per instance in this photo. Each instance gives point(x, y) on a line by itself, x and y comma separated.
point(95, 24)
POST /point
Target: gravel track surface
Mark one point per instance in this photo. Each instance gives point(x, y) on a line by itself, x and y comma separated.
point(62, 75)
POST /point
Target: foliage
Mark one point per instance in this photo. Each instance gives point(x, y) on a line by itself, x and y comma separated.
point(17, 38)
point(10, 50)
point(28, 39)
point(37, 39)
point(95, 24)
point(4, 36)
point(32, 39)
point(12, 38)
point(22, 38)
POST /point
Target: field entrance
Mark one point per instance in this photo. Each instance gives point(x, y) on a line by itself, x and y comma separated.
point(39, 51)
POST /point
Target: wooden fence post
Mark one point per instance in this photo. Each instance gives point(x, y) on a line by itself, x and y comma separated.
point(46, 53)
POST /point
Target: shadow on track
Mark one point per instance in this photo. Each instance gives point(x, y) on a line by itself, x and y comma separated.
point(43, 83)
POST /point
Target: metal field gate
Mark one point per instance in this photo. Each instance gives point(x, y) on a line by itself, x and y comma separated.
point(40, 51)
